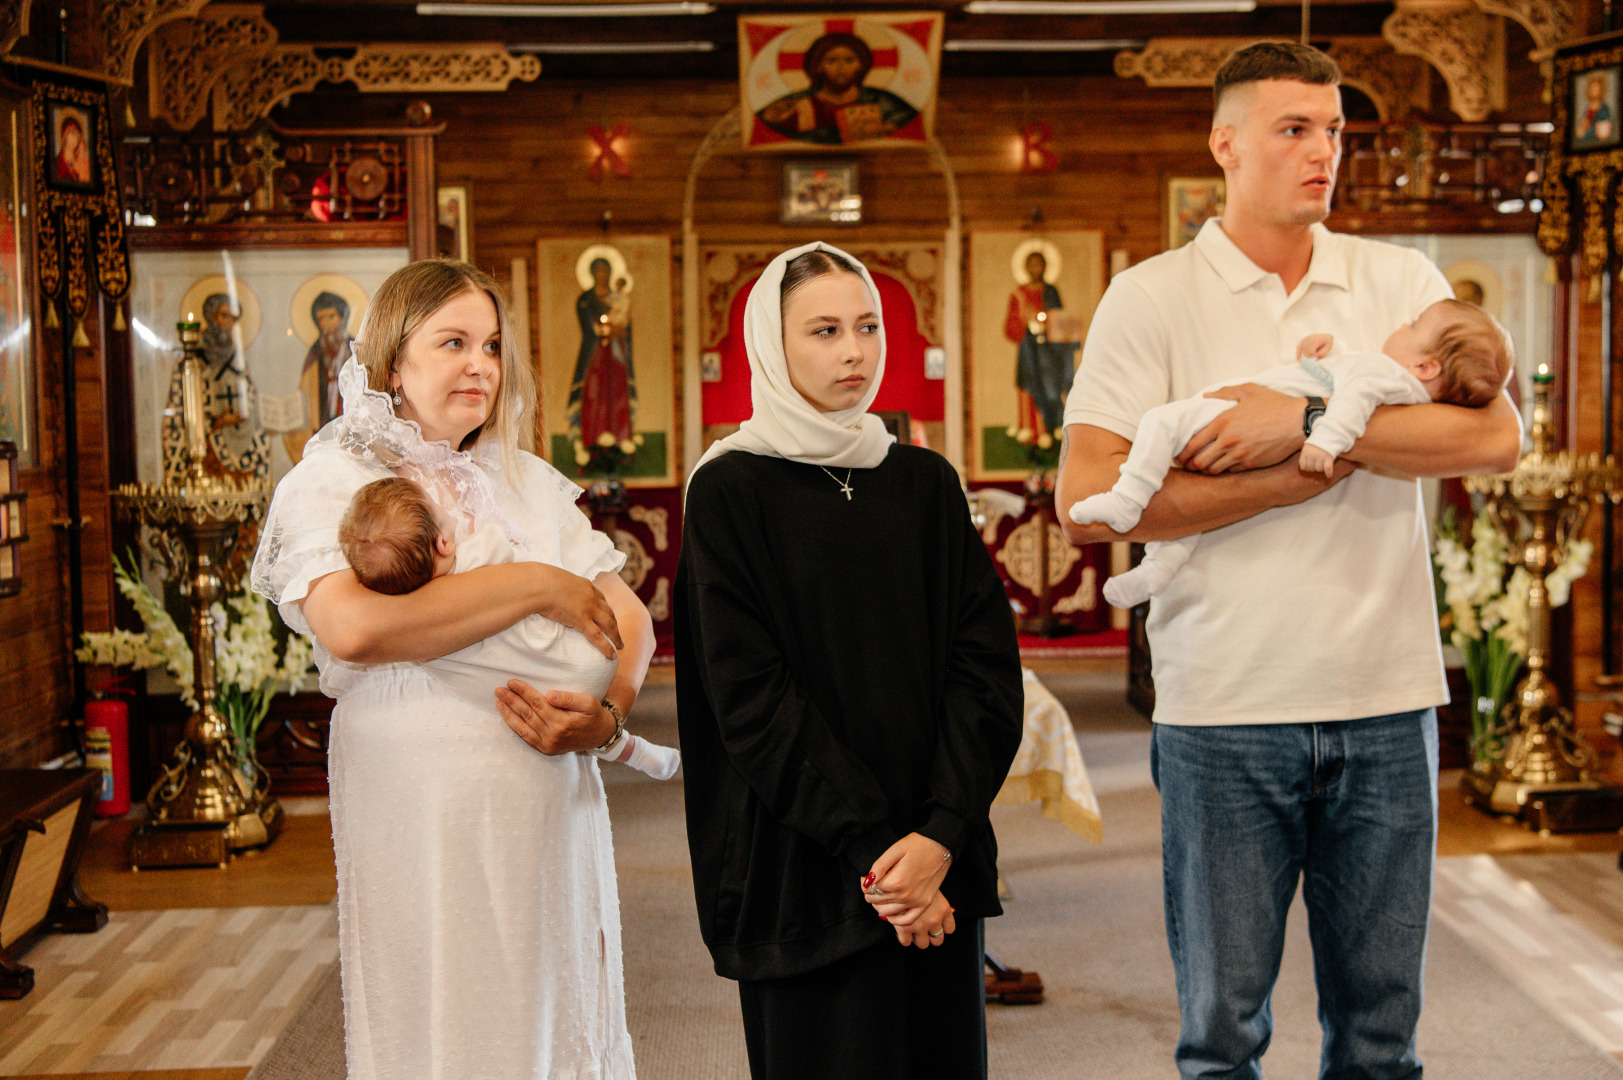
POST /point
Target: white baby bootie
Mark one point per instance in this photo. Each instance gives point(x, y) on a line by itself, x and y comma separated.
point(1109, 507)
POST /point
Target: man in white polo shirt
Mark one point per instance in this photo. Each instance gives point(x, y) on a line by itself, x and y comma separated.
point(1297, 661)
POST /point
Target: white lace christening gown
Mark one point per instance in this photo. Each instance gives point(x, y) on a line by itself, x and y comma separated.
point(479, 924)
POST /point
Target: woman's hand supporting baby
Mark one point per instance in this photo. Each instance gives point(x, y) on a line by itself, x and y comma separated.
point(558, 722)
point(904, 888)
point(570, 600)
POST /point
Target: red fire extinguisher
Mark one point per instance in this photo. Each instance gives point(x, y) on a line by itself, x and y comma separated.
point(107, 748)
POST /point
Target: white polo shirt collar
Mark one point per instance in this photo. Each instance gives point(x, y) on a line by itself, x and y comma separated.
point(1238, 272)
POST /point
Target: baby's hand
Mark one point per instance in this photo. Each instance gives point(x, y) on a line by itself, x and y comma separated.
point(1317, 346)
point(1317, 459)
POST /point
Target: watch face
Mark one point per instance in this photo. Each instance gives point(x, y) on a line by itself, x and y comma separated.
point(1311, 414)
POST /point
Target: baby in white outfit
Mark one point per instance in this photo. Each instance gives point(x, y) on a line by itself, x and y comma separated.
point(1454, 352)
point(397, 539)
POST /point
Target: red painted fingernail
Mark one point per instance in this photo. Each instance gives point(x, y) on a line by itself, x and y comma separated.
point(867, 881)
point(885, 917)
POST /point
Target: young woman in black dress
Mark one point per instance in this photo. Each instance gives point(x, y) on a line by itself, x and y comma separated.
point(849, 699)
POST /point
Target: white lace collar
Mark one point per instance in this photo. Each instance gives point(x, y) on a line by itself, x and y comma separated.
point(456, 479)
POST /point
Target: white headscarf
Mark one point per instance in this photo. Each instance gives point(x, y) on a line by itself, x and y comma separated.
point(782, 423)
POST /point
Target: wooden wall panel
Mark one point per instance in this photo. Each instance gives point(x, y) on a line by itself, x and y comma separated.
point(36, 669)
point(525, 154)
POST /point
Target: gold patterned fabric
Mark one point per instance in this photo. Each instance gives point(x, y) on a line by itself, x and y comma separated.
point(85, 221)
point(1049, 766)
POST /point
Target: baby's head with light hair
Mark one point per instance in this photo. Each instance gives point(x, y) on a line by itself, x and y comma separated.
point(394, 537)
point(1458, 350)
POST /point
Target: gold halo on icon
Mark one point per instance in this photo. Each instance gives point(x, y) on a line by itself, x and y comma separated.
point(1045, 248)
point(617, 266)
point(1466, 272)
point(299, 317)
point(247, 302)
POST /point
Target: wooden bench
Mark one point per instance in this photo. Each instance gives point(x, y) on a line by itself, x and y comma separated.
point(44, 820)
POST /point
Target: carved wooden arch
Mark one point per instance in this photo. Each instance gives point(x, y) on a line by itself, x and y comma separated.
point(126, 24)
point(1396, 85)
point(1550, 23)
point(1464, 43)
point(13, 22)
point(726, 133)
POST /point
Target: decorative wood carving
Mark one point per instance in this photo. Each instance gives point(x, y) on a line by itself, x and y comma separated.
point(438, 68)
point(246, 91)
point(125, 25)
point(271, 175)
point(187, 56)
point(1398, 85)
point(1176, 61)
point(1465, 45)
point(13, 22)
point(1550, 23)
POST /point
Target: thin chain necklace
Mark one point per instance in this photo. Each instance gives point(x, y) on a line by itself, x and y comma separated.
point(844, 486)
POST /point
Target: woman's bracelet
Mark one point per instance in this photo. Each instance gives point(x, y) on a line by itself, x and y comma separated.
point(619, 726)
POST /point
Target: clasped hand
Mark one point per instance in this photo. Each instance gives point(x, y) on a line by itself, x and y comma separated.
point(1263, 429)
point(904, 887)
point(557, 722)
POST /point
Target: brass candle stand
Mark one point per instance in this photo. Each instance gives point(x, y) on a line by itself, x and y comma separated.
point(1542, 772)
point(202, 808)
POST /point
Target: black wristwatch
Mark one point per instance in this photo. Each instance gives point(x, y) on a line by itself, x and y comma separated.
point(1311, 414)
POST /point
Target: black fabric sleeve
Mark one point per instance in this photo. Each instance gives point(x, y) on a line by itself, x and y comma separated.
point(771, 732)
point(984, 701)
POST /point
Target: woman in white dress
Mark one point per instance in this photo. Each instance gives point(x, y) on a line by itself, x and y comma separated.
point(479, 930)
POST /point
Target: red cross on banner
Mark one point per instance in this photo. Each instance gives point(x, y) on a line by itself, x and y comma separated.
point(608, 159)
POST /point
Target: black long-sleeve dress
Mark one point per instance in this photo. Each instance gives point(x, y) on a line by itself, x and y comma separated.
point(847, 672)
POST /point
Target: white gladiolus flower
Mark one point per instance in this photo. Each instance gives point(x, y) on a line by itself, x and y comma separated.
point(247, 667)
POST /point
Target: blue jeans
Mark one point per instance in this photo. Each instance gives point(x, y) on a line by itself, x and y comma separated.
point(1351, 809)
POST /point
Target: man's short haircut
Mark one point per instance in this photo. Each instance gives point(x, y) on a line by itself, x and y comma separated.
point(1266, 60)
point(388, 535)
point(1475, 353)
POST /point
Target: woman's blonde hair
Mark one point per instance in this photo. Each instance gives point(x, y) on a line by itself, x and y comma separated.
point(406, 300)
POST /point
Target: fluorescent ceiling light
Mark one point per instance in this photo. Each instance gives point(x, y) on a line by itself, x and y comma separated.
point(610, 48)
point(1108, 7)
point(1041, 45)
point(564, 11)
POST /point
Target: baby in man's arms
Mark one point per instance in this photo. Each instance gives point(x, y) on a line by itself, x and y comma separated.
point(1454, 353)
point(397, 540)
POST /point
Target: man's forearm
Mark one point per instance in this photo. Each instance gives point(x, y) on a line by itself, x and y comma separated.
point(1441, 440)
point(1187, 503)
point(1190, 503)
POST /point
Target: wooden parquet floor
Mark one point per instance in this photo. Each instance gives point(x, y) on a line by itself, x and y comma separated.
point(159, 1074)
point(297, 868)
point(199, 970)
point(192, 988)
